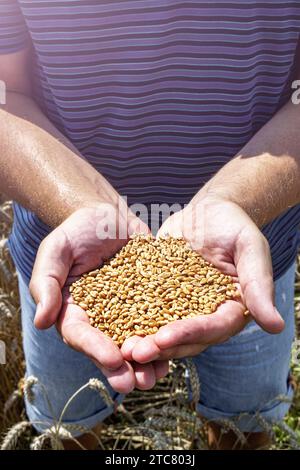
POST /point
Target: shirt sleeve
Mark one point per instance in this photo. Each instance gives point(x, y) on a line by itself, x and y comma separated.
point(14, 34)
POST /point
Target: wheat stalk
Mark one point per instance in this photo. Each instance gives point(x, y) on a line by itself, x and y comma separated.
point(28, 385)
point(13, 397)
point(229, 425)
point(12, 437)
point(38, 442)
point(96, 384)
point(194, 380)
point(291, 434)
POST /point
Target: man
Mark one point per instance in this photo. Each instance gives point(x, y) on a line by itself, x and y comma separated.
point(161, 102)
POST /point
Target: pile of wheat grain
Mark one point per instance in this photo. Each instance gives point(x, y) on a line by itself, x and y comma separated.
point(149, 283)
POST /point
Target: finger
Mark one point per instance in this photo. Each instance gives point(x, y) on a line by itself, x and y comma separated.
point(136, 225)
point(50, 271)
point(186, 350)
point(161, 369)
point(49, 300)
point(171, 227)
point(228, 320)
point(76, 331)
point(145, 350)
point(254, 268)
point(128, 345)
point(122, 380)
point(175, 352)
point(145, 376)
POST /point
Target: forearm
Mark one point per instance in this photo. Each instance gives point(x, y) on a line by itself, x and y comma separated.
point(41, 169)
point(264, 178)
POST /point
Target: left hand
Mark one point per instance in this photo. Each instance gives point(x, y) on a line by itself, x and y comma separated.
point(75, 247)
point(228, 238)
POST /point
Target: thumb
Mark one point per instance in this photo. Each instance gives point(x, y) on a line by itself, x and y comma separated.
point(49, 301)
point(49, 274)
point(254, 269)
point(136, 225)
point(173, 226)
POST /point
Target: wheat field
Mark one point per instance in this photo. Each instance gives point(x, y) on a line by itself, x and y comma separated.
point(161, 418)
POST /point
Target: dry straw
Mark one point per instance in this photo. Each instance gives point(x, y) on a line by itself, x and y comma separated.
point(12, 437)
point(98, 386)
point(148, 284)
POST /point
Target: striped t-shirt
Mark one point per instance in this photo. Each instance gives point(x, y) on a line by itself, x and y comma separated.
point(157, 94)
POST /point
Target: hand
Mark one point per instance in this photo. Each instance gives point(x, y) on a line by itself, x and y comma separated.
point(72, 249)
point(224, 234)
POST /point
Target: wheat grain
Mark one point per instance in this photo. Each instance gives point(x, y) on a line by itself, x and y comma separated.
point(96, 384)
point(193, 380)
point(291, 434)
point(5, 271)
point(265, 425)
point(39, 441)
point(58, 434)
point(12, 437)
point(157, 439)
point(13, 397)
point(28, 385)
point(148, 284)
point(229, 425)
point(5, 310)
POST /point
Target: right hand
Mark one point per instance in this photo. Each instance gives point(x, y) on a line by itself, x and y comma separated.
point(69, 251)
point(223, 233)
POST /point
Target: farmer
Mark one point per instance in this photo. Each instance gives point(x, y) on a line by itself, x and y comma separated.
point(119, 104)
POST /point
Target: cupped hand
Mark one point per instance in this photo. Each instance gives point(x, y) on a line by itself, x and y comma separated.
point(225, 236)
point(75, 247)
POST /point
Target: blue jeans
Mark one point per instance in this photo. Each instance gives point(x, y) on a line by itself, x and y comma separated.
point(240, 377)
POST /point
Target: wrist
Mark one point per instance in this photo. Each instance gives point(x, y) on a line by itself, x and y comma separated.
point(97, 205)
point(113, 217)
point(215, 195)
point(210, 195)
point(100, 196)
